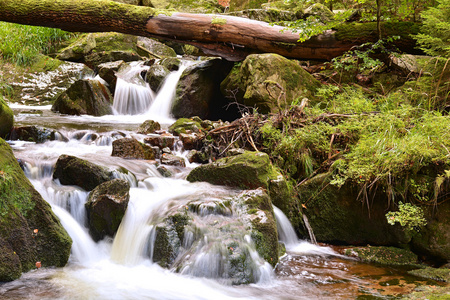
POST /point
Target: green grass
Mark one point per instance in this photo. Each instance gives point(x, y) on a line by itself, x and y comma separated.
point(22, 44)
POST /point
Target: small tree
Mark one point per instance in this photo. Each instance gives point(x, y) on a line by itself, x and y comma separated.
point(435, 37)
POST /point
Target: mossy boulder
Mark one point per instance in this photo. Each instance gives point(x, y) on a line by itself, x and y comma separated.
point(71, 170)
point(320, 11)
point(264, 226)
point(132, 148)
point(170, 63)
point(154, 48)
point(78, 49)
point(266, 15)
point(6, 118)
point(198, 90)
point(107, 71)
point(434, 239)
point(156, 75)
point(84, 97)
point(268, 82)
point(390, 256)
point(249, 170)
point(185, 125)
point(29, 231)
point(149, 126)
point(106, 207)
point(94, 60)
point(338, 216)
point(438, 274)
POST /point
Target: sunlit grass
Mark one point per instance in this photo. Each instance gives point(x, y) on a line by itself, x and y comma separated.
point(21, 44)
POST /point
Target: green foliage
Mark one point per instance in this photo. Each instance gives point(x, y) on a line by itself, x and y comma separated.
point(21, 44)
point(393, 10)
point(11, 195)
point(435, 36)
point(409, 216)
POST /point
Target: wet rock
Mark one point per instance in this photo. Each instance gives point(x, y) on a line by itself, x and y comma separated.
point(172, 160)
point(264, 227)
point(192, 140)
point(48, 79)
point(35, 134)
point(149, 126)
point(71, 170)
point(390, 256)
point(94, 60)
point(198, 90)
point(84, 97)
point(132, 148)
point(164, 171)
point(160, 140)
point(195, 156)
point(154, 48)
point(184, 125)
point(268, 82)
point(106, 207)
point(170, 63)
point(247, 171)
point(6, 118)
point(155, 76)
point(29, 231)
point(107, 71)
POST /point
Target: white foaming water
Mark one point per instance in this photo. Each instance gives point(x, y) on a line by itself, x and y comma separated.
point(287, 235)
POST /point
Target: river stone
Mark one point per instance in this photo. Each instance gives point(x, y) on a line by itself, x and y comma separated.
point(106, 207)
point(34, 134)
point(6, 118)
point(156, 75)
point(154, 48)
point(149, 126)
point(248, 83)
point(71, 170)
point(264, 226)
point(84, 97)
point(198, 90)
point(94, 60)
point(172, 160)
point(132, 148)
point(22, 212)
point(192, 140)
point(247, 171)
point(107, 71)
point(160, 140)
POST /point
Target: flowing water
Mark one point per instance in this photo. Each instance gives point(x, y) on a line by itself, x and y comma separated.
point(122, 267)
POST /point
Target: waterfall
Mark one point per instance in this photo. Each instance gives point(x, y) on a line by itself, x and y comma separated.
point(133, 96)
point(163, 102)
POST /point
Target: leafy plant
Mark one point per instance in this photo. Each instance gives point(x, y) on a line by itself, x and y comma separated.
point(409, 216)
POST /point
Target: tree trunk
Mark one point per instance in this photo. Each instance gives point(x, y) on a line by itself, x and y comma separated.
point(230, 37)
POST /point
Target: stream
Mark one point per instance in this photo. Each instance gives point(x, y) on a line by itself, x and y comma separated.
point(121, 268)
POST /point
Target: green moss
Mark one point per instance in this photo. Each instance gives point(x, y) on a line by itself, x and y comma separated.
point(6, 118)
point(432, 273)
point(218, 21)
point(384, 255)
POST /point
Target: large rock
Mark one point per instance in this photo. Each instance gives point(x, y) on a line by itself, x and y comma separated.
point(35, 134)
point(132, 148)
point(149, 126)
point(268, 82)
point(249, 170)
point(156, 75)
point(106, 207)
point(84, 97)
point(198, 90)
point(29, 231)
point(107, 71)
point(71, 170)
point(6, 118)
point(154, 47)
point(336, 216)
point(78, 49)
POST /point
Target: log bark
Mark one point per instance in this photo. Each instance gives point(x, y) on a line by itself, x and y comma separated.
point(232, 38)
